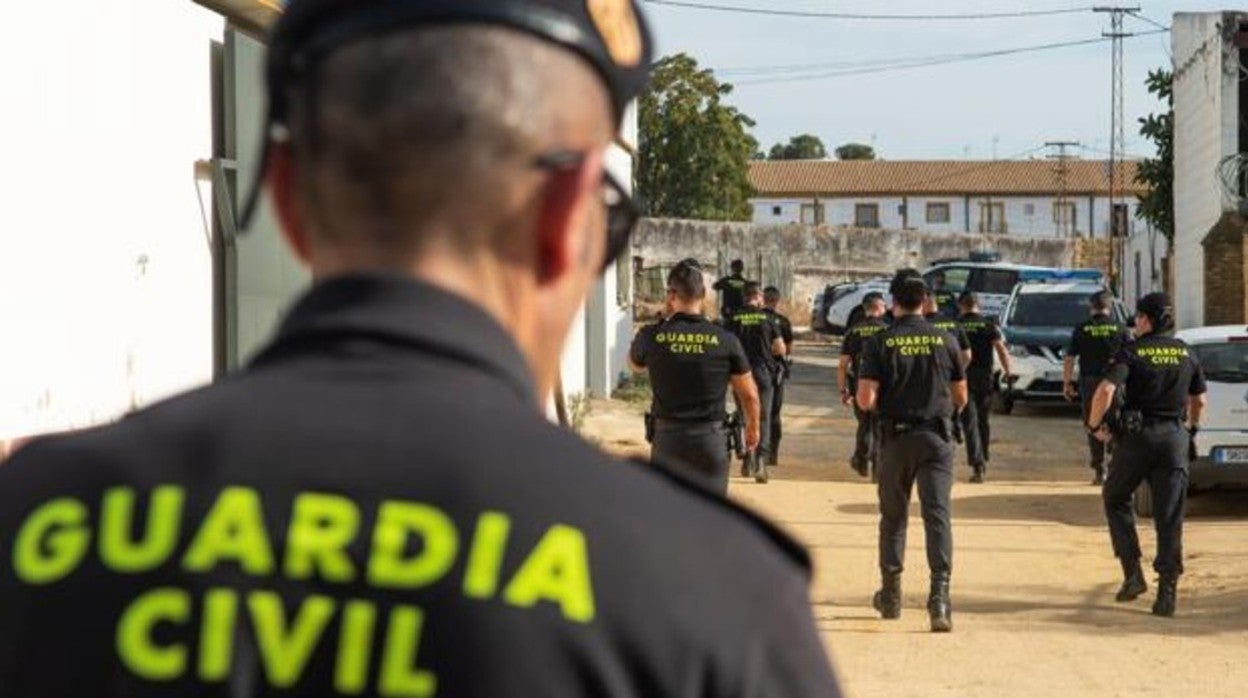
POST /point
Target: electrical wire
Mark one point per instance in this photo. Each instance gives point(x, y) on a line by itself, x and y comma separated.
point(1146, 20)
point(910, 64)
point(865, 16)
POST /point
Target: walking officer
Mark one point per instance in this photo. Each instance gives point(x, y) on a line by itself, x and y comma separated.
point(784, 369)
point(731, 291)
point(1161, 411)
point(986, 339)
point(1093, 343)
point(691, 362)
point(945, 301)
point(866, 441)
point(377, 504)
point(760, 335)
point(912, 377)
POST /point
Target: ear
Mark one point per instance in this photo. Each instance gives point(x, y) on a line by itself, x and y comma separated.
point(282, 187)
point(566, 205)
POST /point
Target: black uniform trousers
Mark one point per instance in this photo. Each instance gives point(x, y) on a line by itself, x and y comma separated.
point(697, 448)
point(866, 444)
point(777, 404)
point(921, 457)
point(1157, 455)
point(766, 396)
point(1087, 388)
point(975, 429)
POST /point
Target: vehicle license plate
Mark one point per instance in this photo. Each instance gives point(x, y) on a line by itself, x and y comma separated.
point(1224, 455)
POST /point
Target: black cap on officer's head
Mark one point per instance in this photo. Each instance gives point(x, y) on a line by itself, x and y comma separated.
point(611, 35)
point(1158, 309)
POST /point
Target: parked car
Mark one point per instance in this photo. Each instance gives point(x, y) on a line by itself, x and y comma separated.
point(993, 281)
point(1038, 320)
point(1222, 443)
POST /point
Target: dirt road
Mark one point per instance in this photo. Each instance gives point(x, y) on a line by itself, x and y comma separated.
point(1034, 576)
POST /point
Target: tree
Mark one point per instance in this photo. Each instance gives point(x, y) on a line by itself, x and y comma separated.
point(695, 150)
point(855, 151)
point(1157, 205)
point(803, 147)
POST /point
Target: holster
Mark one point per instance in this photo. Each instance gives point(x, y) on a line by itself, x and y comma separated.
point(649, 428)
point(734, 427)
point(1129, 422)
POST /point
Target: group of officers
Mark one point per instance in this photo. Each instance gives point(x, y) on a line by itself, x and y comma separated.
point(920, 377)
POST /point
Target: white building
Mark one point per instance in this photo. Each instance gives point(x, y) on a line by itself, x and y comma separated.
point(1040, 198)
point(131, 130)
point(1209, 132)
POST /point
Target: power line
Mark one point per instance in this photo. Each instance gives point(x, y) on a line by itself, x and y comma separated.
point(1146, 20)
point(909, 64)
point(871, 17)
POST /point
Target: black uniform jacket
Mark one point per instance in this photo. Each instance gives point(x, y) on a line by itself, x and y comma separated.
point(1095, 342)
point(377, 506)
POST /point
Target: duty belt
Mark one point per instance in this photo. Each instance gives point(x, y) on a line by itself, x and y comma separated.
point(679, 423)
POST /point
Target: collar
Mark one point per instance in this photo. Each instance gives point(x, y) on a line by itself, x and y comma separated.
point(398, 309)
point(1100, 316)
point(908, 320)
point(686, 317)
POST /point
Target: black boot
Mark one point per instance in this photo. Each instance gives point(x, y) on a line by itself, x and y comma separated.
point(938, 606)
point(888, 599)
point(1167, 592)
point(977, 476)
point(1133, 583)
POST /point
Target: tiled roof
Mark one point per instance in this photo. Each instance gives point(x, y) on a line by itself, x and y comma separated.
point(935, 177)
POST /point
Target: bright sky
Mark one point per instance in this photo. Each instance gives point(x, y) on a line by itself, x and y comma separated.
point(1002, 105)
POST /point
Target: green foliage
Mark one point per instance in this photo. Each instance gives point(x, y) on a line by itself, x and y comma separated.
point(855, 151)
point(1157, 206)
point(803, 147)
point(695, 149)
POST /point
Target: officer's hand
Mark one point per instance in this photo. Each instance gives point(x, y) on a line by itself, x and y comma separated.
point(1068, 389)
point(1103, 435)
point(846, 397)
point(753, 434)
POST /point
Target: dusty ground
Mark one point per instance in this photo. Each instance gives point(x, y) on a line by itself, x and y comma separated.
point(1034, 577)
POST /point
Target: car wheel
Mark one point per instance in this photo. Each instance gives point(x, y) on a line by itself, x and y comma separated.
point(1142, 501)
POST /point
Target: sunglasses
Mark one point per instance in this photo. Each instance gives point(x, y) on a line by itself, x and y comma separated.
point(622, 212)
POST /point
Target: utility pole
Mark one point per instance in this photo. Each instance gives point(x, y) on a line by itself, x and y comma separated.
point(1064, 227)
point(1117, 132)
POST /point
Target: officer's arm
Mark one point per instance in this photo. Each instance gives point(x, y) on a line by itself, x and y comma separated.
point(1102, 399)
point(958, 393)
point(842, 374)
point(1195, 408)
point(966, 358)
point(778, 347)
point(637, 352)
point(868, 394)
point(1068, 376)
point(747, 394)
point(1003, 355)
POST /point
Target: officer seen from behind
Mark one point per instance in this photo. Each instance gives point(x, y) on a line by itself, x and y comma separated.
point(731, 291)
point(866, 451)
point(377, 505)
point(986, 339)
point(760, 335)
point(784, 369)
point(1161, 411)
point(912, 378)
point(1093, 343)
point(691, 362)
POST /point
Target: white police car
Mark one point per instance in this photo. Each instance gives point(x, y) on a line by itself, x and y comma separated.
point(1037, 322)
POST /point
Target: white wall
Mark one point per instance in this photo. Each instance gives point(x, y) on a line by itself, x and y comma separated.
point(1206, 110)
point(1020, 220)
point(105, 283)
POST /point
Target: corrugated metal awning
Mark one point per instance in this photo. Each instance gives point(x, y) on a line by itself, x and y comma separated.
point(252, 16)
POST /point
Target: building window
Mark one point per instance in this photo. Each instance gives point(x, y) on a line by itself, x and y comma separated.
point(992, 217)
point(867, 215)
point(775, 210)
point(812, 214)
point(938, 213)
point(1065, 217)
point(1029, 210)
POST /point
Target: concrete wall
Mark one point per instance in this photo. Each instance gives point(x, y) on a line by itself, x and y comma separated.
point(804, 259)
point(1206, 113)
point(1024, 215)
point(105, 285)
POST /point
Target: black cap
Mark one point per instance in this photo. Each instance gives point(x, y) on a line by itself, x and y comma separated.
point(1158, 308)
point(612, 35)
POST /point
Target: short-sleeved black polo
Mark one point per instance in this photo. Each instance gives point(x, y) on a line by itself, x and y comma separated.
point(757, 330)
point(1095, 342)
point(914, 363)
point(983, 333)
point(1158, 373)
point(690, 361)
